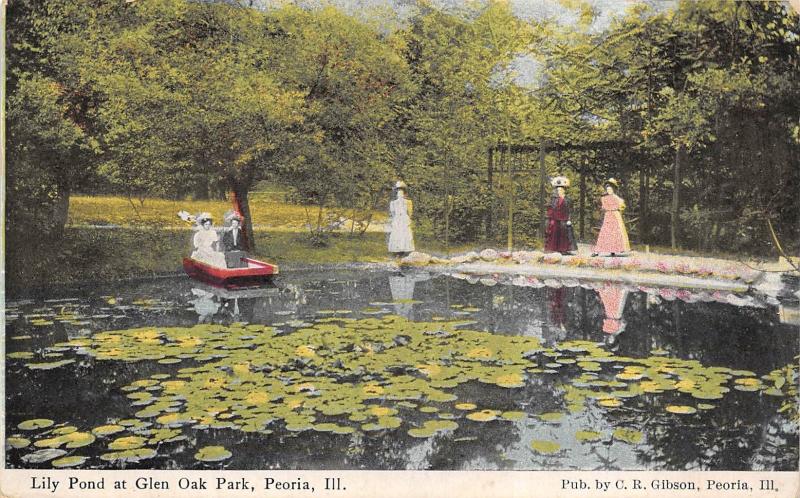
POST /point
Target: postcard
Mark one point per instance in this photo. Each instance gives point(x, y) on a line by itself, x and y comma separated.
point(401, 248)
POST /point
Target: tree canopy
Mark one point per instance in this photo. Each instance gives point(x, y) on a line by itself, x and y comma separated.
point(176, 98)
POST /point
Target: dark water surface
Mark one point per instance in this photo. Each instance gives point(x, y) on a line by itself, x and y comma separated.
point(379, 370)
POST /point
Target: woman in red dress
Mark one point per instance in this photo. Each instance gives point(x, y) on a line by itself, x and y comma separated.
point(559, 236)
point(613, 238)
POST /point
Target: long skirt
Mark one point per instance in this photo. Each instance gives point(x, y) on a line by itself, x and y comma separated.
point(613, 237)
point(400, 237)
point(559, 237)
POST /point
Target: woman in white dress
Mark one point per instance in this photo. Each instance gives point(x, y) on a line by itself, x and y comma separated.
point(401, 240)
point(206, 243)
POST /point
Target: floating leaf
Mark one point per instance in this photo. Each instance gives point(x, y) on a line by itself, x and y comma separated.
point(17, 442)
point(49, 366)
point(551, 416)
point(545, 447)
point(512, 415)
point(212, 454)
point(587, 436)
point(510, 380)
point(36, 423)
point(483, 415)
point(43, 455)
point(432, 427)
point(127, 443)
point(64, 430)
point(681, 409)
point(628, 435)
point(132, 455)
point(70, 461)
point(21, 355)
point(465, 406)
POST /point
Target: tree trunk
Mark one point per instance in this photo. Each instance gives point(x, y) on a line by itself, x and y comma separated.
point(490, 210)
point(582, 200)
point(676, 188)
point(241, 203)
point(60, 212)
point(542, 175)
point(643, 194)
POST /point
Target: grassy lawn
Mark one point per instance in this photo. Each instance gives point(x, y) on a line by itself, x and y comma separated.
point(267, 211)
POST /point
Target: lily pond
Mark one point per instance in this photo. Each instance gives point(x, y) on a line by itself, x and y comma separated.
point(374, 369)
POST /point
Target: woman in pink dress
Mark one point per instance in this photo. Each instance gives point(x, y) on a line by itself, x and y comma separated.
point(613, 238)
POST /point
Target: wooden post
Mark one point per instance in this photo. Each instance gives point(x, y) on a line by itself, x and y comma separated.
point(542, 175)
point(583, 197)
point(643, 192)
point(490, 211)
point(510, 231)
point(676, 187)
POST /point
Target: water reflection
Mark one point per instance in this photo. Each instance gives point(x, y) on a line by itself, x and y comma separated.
point(402, 288)
point(613, 298)
point(218, 305)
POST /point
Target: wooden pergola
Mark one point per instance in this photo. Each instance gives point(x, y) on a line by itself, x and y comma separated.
point(497, 160)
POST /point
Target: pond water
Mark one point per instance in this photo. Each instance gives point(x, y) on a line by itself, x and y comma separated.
point(372, 369)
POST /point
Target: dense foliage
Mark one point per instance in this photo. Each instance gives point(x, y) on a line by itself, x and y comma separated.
point(177, 98)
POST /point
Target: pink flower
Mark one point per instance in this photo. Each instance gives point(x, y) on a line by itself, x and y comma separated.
point(682, 268)
point(631, 264)
point(596, 263)
point(704, 271)
point(662, 267)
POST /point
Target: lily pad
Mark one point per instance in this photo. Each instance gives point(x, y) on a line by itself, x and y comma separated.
point(551, 416)
point(17, 442)
point(212, 454)
point(628, 435)
point(70, 461)
point(545, 447)
point(587, 436)
point(105, 430)
point(49, 366)
point(132, 455)
point(483, 415)
point(681, 409)
point(127, 443)
point(43, 455)
point(36, 423)
point(433, 427)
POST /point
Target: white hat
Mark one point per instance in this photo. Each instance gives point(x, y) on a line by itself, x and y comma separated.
point(560, 181)
point(203, 217)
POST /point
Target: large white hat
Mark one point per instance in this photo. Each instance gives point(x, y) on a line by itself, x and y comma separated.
point(560, 181)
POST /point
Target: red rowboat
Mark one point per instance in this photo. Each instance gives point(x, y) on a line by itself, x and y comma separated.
point(255, 273)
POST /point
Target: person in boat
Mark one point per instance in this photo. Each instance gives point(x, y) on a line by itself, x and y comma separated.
point(206, 242)
point(559, 236)
point(232, 237)
point(233, 241)
point(613, 238)
point(401, 239)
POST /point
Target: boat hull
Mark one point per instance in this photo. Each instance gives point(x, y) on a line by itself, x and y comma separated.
point(256, 273)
